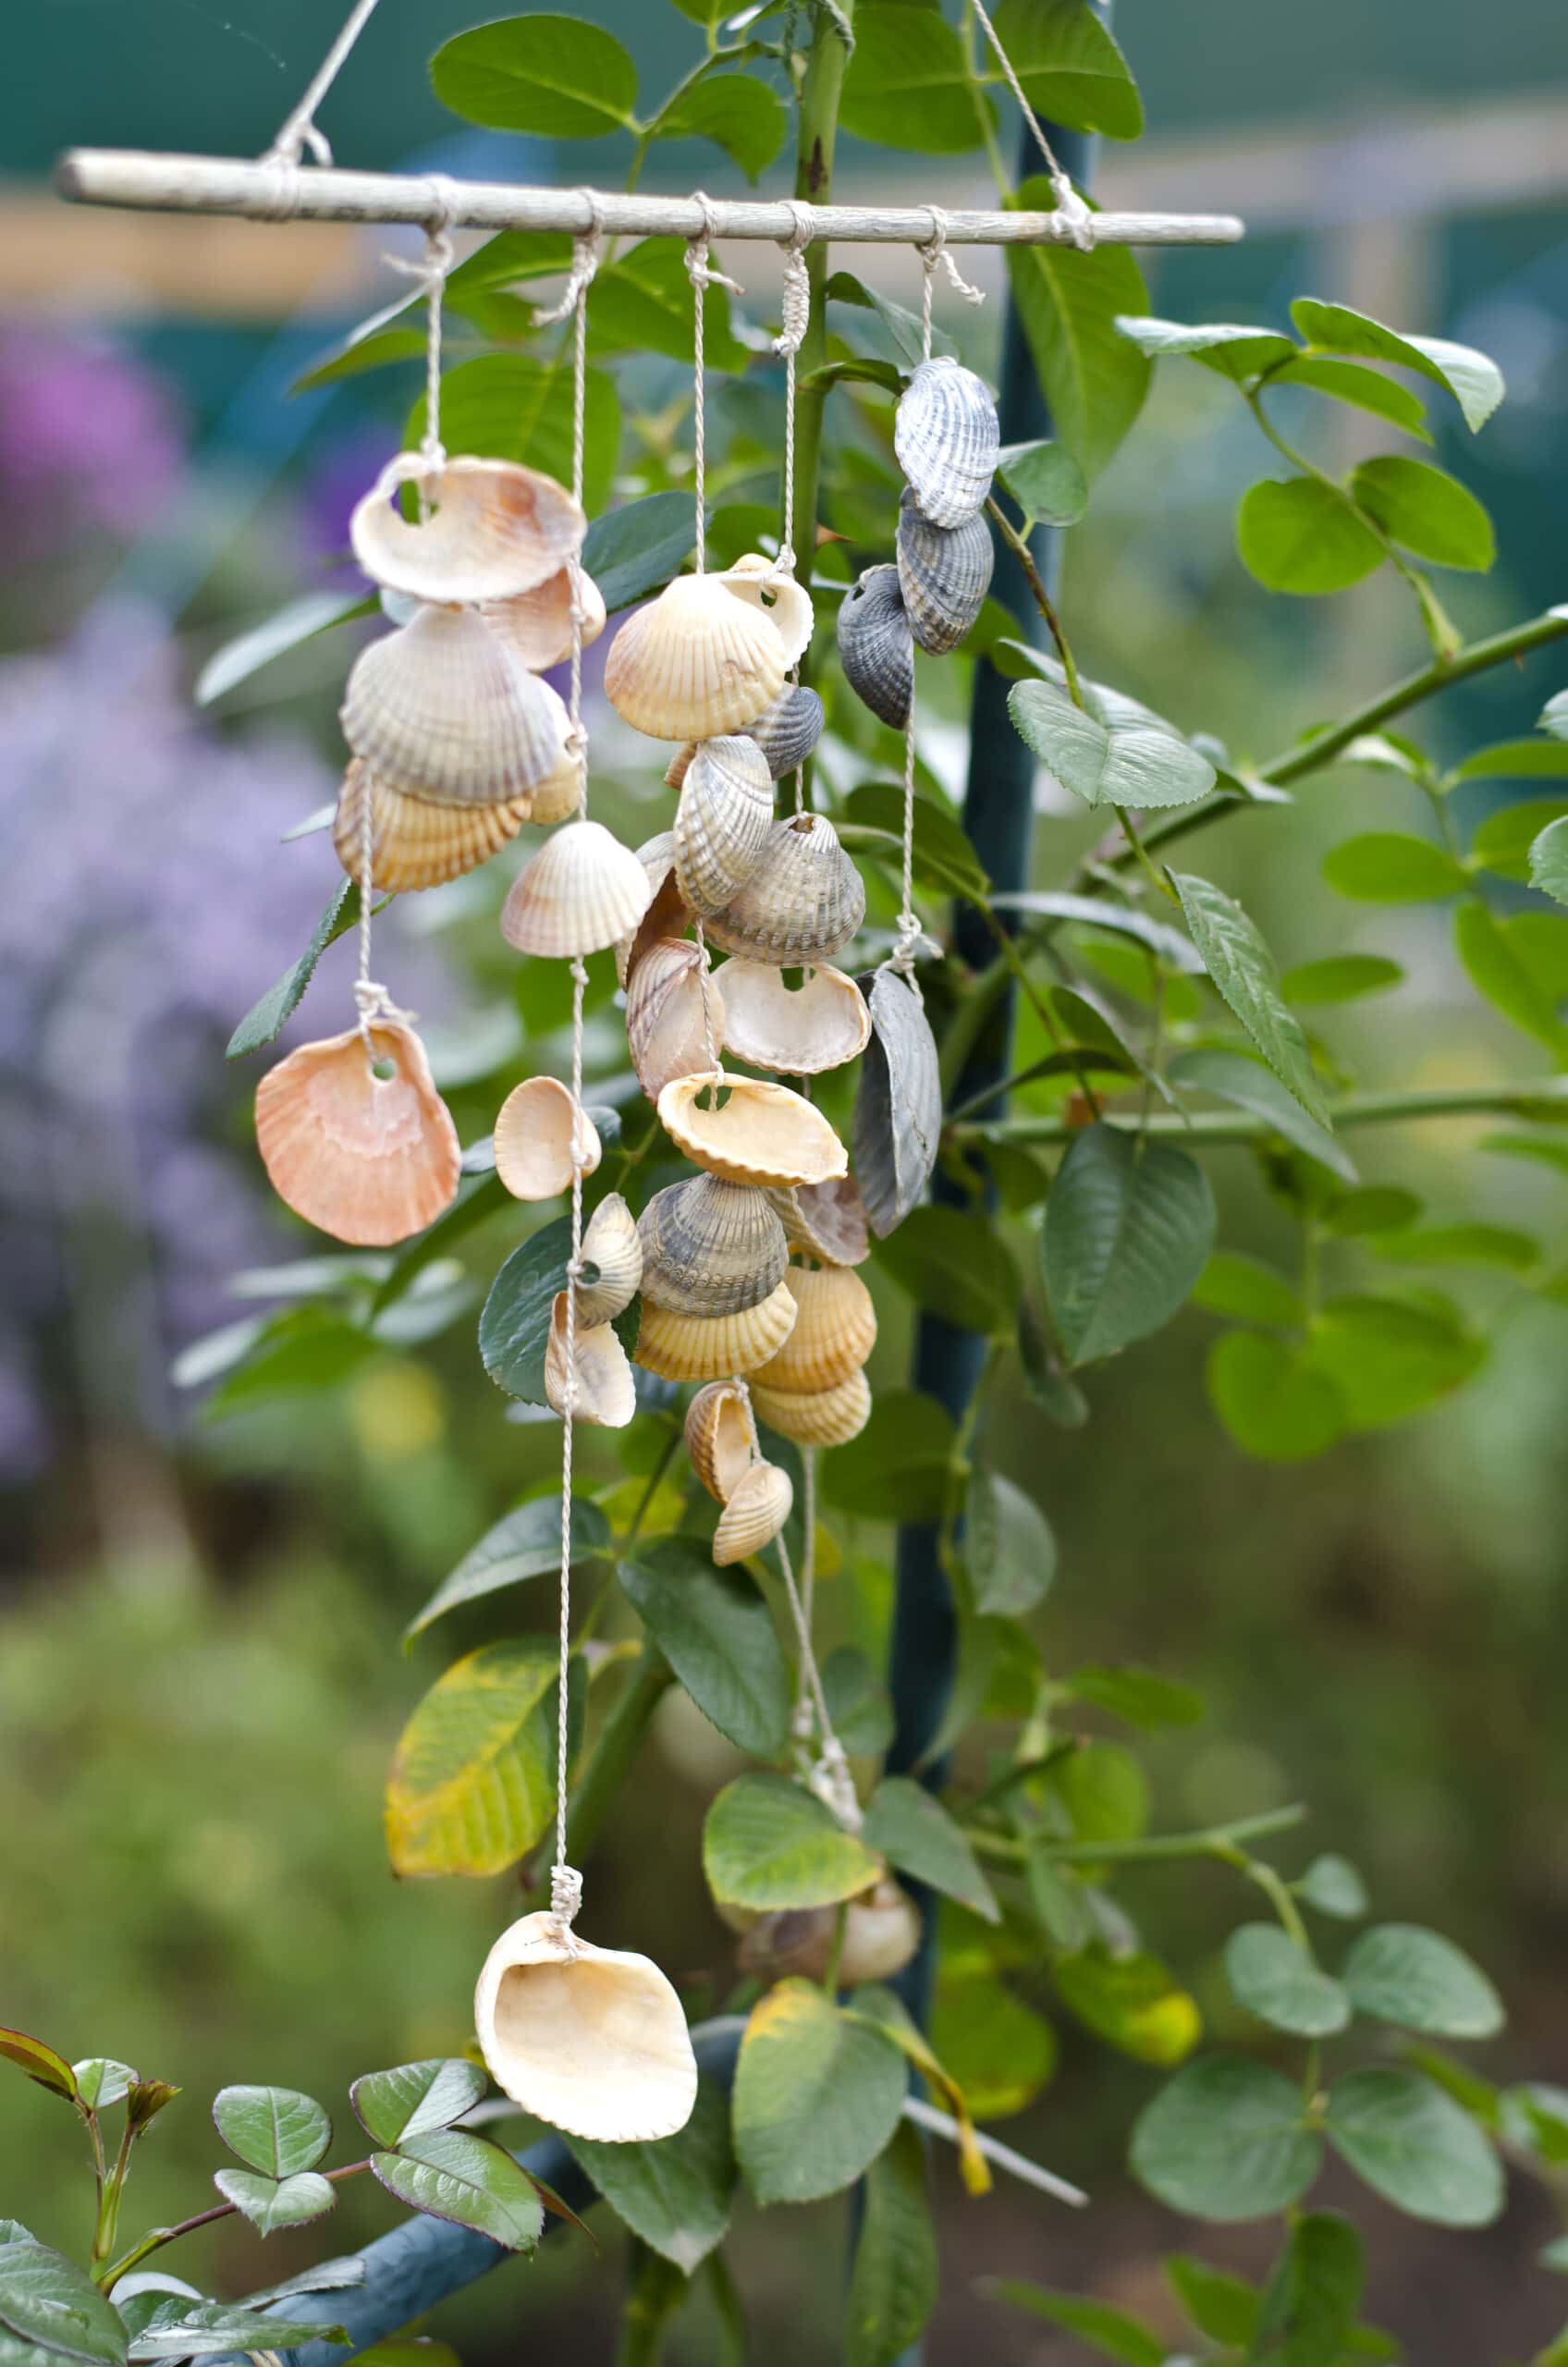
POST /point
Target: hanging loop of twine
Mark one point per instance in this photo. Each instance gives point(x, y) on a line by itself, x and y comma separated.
point(703, 277)
point(299, 129)
point(796, 319)
point(910, 935)
point(566, 1883)
point(1077, 218)
point(586, 249)
point(934, 254)
point(370, 998)
point(431, 269)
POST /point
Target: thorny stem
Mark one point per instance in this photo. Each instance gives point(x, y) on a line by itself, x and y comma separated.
point(157, 2237)
point(1540, 1097)
point(1043, 600)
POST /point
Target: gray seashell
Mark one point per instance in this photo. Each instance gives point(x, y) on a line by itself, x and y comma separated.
point(947, 438)
point(722, 822)
point(789, 729)
point(827, 1220)
point(801, 905)
point(875, 646)
point(711, 1247)
point(944, 574)
point(898, 1115)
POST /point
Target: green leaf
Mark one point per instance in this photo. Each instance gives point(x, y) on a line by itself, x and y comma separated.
point(1389, 1358)
point(325, 2276)
point(998, 2050)
point(275, 2130)
point(1247, 1290)
point(40, 2062)
point(1503, 842)
point(1312, 2301)
point(1553, 717)
point(857, 1702)
point(905, 329)
point(1045, 482)
point(1225, 2139)
point(1461, 1245)
point(1496, 967)
point(289, 628)
point(1247, 1085)
point(307, 1348)
point(767, 1842)
point(513, 407)
point(270, 2203)
point(1130, 2001)
point(1377, 1208)
point(265, 1020)
point(900, 1465)
point(818, 2093)
point(634, 550)
point(1109, 2331)
point(556, 76)
point(1243, 969)
point(1221, 2305)
point(48, 2302)
point(956, 1266)
point(675, 2195)
point(454, 2175)
point(1340, 977)
point(1274, 1978)
point(1235, 351)
point(473, 1780)
point(1115, 764)
point(1425, 510)
point(1301, 535)
point(410, 2350)
point(1009, 1551)
point(1549, 862)
point(1271, 1399)
point(1072, 70)
point(181, 2328)
point(1414, 2146)
point(1094, 380)
point(913, 1831)
point(743, 117)
point(717, 1632)
point(1349, 382)
point(1414, 1977)
point(944, 858)
point(101, 2082)
point(526, 1544)
point(1116, 920)
point(514, 1329)
point(893, 2286)
point(644, 302)
point(1140, 1695)
point(1104, 1792)
point(1515, 760)
point(905, 85)
point(414, 2098)
point(1128, 1229)
point(1333, 1886)
point(1475, 381)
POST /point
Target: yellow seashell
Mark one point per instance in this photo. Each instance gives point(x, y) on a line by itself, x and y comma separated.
point(696, 662)
point(534, 1139)
point(706, 1347)
point(665, 1031)
point(412, 844)
point(718, 1437)
point(827, 1221)
point(559, 794)
point(836, 1332)
point(760, 1133)
point(370, 1159)
point(803, 1030)
point(440, 708)
point(578, 894)
point(710, 1247)
point(667, 916)
point(816, 1417)
point(495, 530)
point(605, 1393)
point(757, 1508)
point(536, 626)
point(612, 1245)
point(785, 603)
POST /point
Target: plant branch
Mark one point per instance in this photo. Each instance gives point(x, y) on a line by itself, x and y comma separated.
point(1043, 601)
point(820, 90)
point(158, 2237)
point(1541, 1096)
point(1209, 1841)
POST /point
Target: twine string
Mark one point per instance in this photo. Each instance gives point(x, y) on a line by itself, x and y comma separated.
point(430, 269)
point(934, 254)
point(703, 277)
point(1077, 218)
point(709, 1042)
point(299, 129)
point(795, 321)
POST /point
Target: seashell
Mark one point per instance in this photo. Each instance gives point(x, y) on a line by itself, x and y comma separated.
point(722, 823)
point(559, 794)
point(612, 1243)
point(881, 1935)
point(718, 1437)
point(591, 2040)
point(412, 844)
point(827, 1221)
point(710, 1347)
point(369, 1159)
point(876, 646)
point(803, 1030)
point(763, 1134)
point(757, 1507)
point(536, 626)
point(441, 708)
point(578, 894)
point(944, 574)
point(665, 1030)
point(606, 1395)
point(787, 730)
point(695, 662)
point(756, 581)
point(667, 916)
point(835, 1333)
point(495, 530)
point(947, 438)
point(897, 1114)
point(534, 1138)
point(801, 905)
point(817, 1416)
point(711, 1247)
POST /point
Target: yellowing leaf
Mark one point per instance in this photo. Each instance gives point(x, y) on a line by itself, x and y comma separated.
point(472, 1781)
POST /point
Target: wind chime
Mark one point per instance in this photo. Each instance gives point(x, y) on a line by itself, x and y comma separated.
point(746, 1269)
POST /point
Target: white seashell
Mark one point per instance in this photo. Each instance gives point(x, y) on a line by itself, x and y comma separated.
point(819, 1025)
point(816, 1417)
point(605, 1393)
point(897, 1114)
point(711, 1247)
point(780, 597)
point(578, 894)
point(591, 2040)
point(610, 1243)
point(536, 626)
point(441, 708)
point(876, 646)
point(369, 1159)
point(827, 1221)
point(696, 662)
point(559, 794)
point(709, 1347)
point(718, 1437)
point(495, 530)
point(412, 844)
point(722, 823)
point(801, 905)
point(787, 730)
point(667, 916)
point(760, 1133)
point(944, 575)
point(757, 1508)
point(534, 1139)
point(834, 1332)
point(947, 438)
point(665, 1032)
point(880, 1936)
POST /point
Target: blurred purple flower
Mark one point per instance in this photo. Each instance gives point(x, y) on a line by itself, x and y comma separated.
point(340, 475)
point(90, 439)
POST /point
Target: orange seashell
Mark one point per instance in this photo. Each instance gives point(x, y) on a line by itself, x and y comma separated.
point(706, 1347)
point(833, 1335)
point(760, 1133)
point(758, 1506)
point(718, 1438)
point(816, 1417)
point(536, 626)
point(495, 530)
point(370, 1159)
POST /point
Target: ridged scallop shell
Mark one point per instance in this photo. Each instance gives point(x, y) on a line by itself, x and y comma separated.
point(606, 1394)
point(898, 1115)
point(762, 1134)
point(881, 1932)
point(802, 1030)
point(495, 530)
point(836, 1332)
point(780, 597)
point(944, 575)
point(817, 1417)
point(695, 662)
point(787, 730)
point(370, 1159)
point(718, 1437)
point(591, 2040)
point(875, 646)
point(667, 916)
point(665, 1030)
point(559, 794)
point(412, 844)
point(536, 626)
point(708, 1347)
point(947, 438)
point(711, 1247)
point(722, 822)
point(758, 1505)
point(612, 1243)
point(827, 1221)
point(801, 905)
point(534, 1139)
point(578, 894)
point(441, 707)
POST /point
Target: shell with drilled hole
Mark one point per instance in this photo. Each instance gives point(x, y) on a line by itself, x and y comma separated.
point(534, 1139)
point(801, 905)
point(876, 646)
point(606, 1394)
point(778, 597)
point(816, 1417)
point(667, 916)
point(827, 1221)
point(707, 1347)
point(698, 661)
point(898, 1113)
point(804, 1029)
point(787, 730)
point(760, 1133)
point(441, 708)
point(722, 823)
point(665, 1031)
point(412, 844)
point(947, 439)
point(881, 1932)
point(369, 1159)
point(494, 531)
point(536, 626)
point(710, 1247)
point(756, 1508)
point(612, 1245)
point(833, 1335)
point(944, 575)
point(578, 894)
point(718, 1438)
point(591, 2040)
